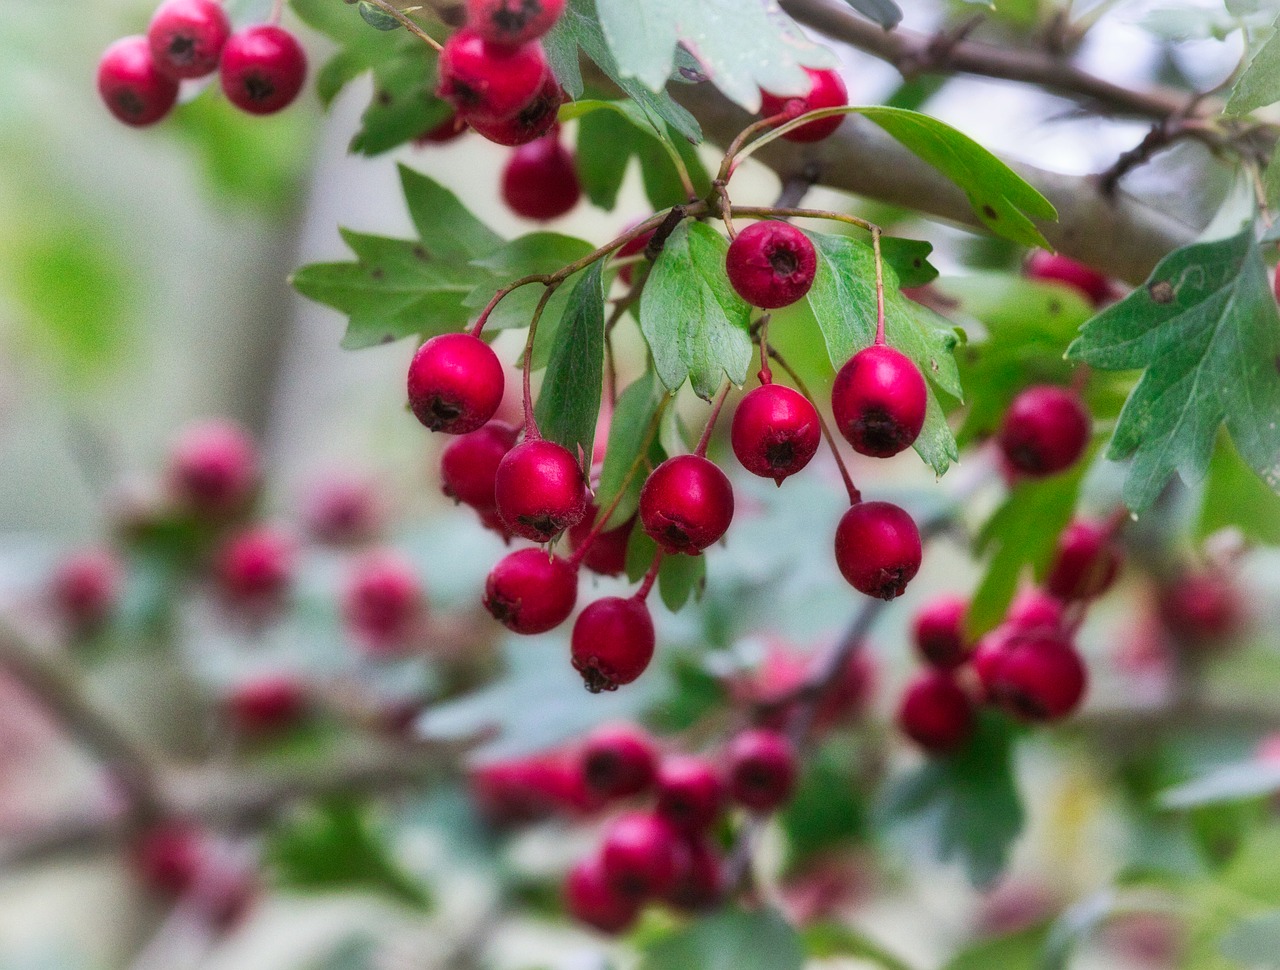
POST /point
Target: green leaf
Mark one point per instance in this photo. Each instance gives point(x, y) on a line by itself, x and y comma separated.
point(731, 939)
point(696, 324)
point(909, 259)
point(530, 255)
point(1225, 783)
point(446, 226)
point(884, 12)
point(1254, 942)
point(1271, 183)
point(1259, 83)
point(1234, 497)
point(1206, 329)
point(569, 401)
point(843, 301)
point(376, 17)
point(828, 810)
point(679, 578)
point(1016, 951)
point(629, 435)
point(827, 940)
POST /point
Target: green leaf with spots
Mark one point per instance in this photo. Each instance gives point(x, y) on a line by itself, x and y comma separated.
point(730, 939)
point(909, 259)
point(531, 255)
point(569, 402)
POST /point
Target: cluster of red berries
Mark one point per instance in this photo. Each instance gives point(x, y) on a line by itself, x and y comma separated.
point(262, 68)
point(178, 860)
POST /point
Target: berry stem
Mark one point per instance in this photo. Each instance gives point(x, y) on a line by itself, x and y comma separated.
point(650, 577)
point(409, 24)
point(875, 245)
point(787, 212)
point(727, 163)
point(531, 432)
point(765, 375)
point(701, 450)
point(277, 11)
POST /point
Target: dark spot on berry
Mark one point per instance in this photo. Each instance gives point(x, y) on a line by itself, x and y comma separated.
point(879, 432)
point(990, 213)
point(600, 769)
point(259, 87)
point(783, 260)
point(511, 18)
point(780, 454)
point(181, 49)
point(546, 525)
point(1024, 704)
point(1161, 291)
point(440, 412)
point(594, 678)
point(892, 583)
point(129, 103)
point(502, 609)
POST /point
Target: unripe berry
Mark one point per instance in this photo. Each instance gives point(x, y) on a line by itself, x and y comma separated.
point(607, 554)
point(879, 400)
point(266, 704)
point(489, 82)
point(213, 468)
point(187, 36)
point(131, 86)
point(939, 632)
point(1199, 607)
point(612, 643)
point(530, 123)
point(1040, 678)
point(699, 883)
point(343, 510)
point(540, 490)
point(771, 264)
point(383, 604)
point(618, 761)
point(455, 383)
point(686, 504)
point(1042, 265)
point(85, 588)
point(263, 68)
point(936, 713)
point(254, 569)
point(826, 90)
point(1085, 564)
point(1045, 430)
point(590, 899)
point(513, 22)
point(690, 793)
point(169, 857)
point(469, 464)
point(762, 769)
point(775, 431)
point(878, 549)
point(638, 855)
point(531, 591)
point(1034, 610)
point(540, 180)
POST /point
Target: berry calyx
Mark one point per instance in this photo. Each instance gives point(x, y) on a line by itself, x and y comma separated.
point(187, 36)
point(540, 180)
point(254, 569)
point(771, 264)
point(263, 68)
point(1085, 563)
point(776, 431)
point(528, 124)
point(486, 81)
point(939, 632)
point(879, 400)
point(85, 589)
point(1045, 430)
point(383, 603)
point(826, 90)
point(1201, 606)
point(531, 591)
point(540, 490)
point(455, 383)
point(878, 549)
point(613, 641)
point(762, 769)
point(469, 464)
point(690, 793)
point(936, 713)
point(133, 88)
point(590, 899)
point(513, 22)
point(1039, 678)
point(686, 504)
point(607, 554)
point(267, 704)
point(638, 856)
point(213, 468)
point(618, 761)
point(1043, 265)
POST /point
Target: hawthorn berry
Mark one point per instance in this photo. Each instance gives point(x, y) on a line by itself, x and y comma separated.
point(939, 632)
point(528, 124)
point(690, 794)
point(936, 713)
point(618, 761)
point(469, 464)
point(383, 604)
point(1045, 430)
point(522, 790)
point(540, 180)
point(612, 643)
point(771, 264)
point(263, 69)
point(85, 588)
point(607, 554)
point(540, 490)
point(699, 883)
point(513, 22)
point(1085, 563)
point(826, 90)
point(455, 383)
point(1200, 606)
point(531, 591)
point(213, 468)
point(489, 82)
point(266, 704)
point(590, 899)
point(1043, 265)
point(1034, 610)
point(169, 857)
point(187, 36)
point(686, 504)
point(254, 568)
point(762, 769)
point(878, 548)
point(878, 401)
point(1040, 677)
point(133, 88)
point(775, 431)
point(637, 853)
point(343, 510)
point(987, 657)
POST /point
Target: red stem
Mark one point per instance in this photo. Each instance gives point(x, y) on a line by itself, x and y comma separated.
point(650, 577)
point(701, 450)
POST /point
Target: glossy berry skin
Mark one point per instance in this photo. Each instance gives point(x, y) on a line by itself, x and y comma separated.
point(343, 511)
point(1034, 610)
point(455, 383)
point(686, 504)
point(637, 854)
point(987, 658)
point(1085, 564)
point(1045, 430)
point(383, 604)
point(263, 69)
point(1040, 678)
point(1201, 607)
point(699, 884)
point(267, 704)
point(690, 794)
point(513, 22)
point(540, 180)
point(590, 899)
point(775, 431)
point(187, 36)
point(613, 641)
point(530, 591)
point(535, 119)
point(85, 588)
point(878, 549)
point(762, 769)
point(540, 490)
point(826, 90)
point(938, 630)
point(771, 264)
point(936, 713)
point(213, 468)
point(469, 464)
point(256, 566)
point(488, 82)
point(132, 87)
point(618, 761)
point(607, 554)
point(878, 400)
point(1053, 267)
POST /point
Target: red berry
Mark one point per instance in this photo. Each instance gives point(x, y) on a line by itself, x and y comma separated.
point(469, 464)
point(936, 713)
point(699, 883)
point(775, 431)
point(187, 37)
point(86, 587)
point(383, 604)
point(826, 90)
point(343, 510)
point(1044, 265)
point(489, 82)
point(607, 554)
point(878, 549)
point(1045, 430)
point(213, 468)
point(691, 795)
point(771, 264)
point(531, 591)
point(263, 69)
point(522, 790)
point(1034, 610)
point(633, 248)
point(131, 85)
point(540, 490)
point(530, 123)
point(612, 643)
point(638, 855)
point(169, 857)
point(619, 761)
point(762, 769)
point(1085, 564)
point(455, 383)
point(454, 126)
point(590, 899)
point(686, 504)
point(540, 180)
point(939, 632)
point(267, 704)
point(1201, 607)
point(255, 568)
point(513, 22)
point(1040, 678)
point(988, 655)
point(879, 400)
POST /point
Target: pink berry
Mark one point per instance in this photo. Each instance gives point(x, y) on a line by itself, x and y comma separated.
point(513, 22)
point(607, 554)
point(878, 549)
point(255, 567)
point(489, 82)
point(535, 119)
point(131, 86)
point(267, 704)
point(531, 591)
point(540, 180)
point(590, 899)
point(1044, 265)
point(936, 713)
point(469, 464)
point(1045, 430)
point(613, 641)
point(383, 604)
point(691, 795)
point(762, 769)
point(343, 510)
point(939, 632)
point(455, 383)
point(775, 431)
point(187, 37)
point(989, 655)
point(169, 857)
point(1199, 607)
point(522, 790)
point(263, 68)
point(213, 468)
point(638, 855)
point(826, 90)
point(771, 264)
point(1034, 610)
point(540, 490)
point(879, 400)
point(699, 883)
point(619, 761)
point(1040, 678)
point(85, 588)
point(1085, 564)
point(686, 504)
